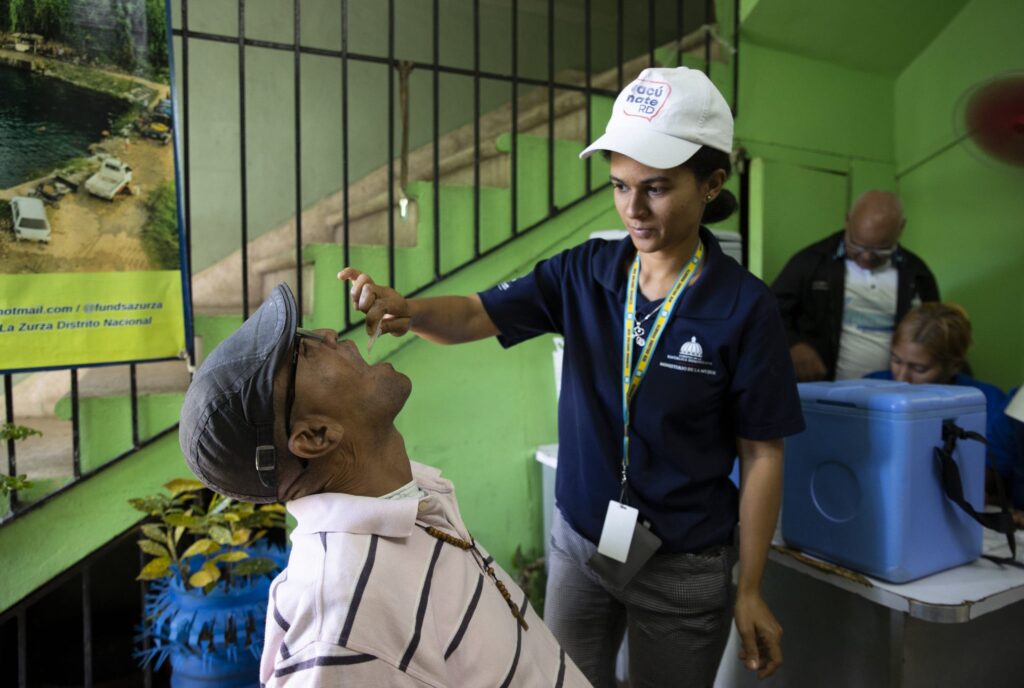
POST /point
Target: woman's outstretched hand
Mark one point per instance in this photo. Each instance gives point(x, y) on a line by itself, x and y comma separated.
point(384, 307)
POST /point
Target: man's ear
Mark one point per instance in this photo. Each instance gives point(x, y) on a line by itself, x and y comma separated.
point(315, 437)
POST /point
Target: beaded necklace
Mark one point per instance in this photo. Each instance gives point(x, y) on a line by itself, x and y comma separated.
point(462, 544)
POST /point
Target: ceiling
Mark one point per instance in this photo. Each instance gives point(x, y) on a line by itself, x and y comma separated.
point(875, 35)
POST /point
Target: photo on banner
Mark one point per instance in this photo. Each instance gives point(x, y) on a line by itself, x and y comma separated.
point(92, 269)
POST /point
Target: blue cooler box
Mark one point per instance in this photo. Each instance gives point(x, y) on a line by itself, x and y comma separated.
point(862, 486)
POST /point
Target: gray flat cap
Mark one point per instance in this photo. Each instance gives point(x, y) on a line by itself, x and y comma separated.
point(227, 420)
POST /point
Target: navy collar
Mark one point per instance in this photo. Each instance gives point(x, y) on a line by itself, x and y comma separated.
point(712, 297)
point(840, 252)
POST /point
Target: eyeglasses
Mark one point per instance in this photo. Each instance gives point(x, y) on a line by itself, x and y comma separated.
point(853, 249)
point(300, 334)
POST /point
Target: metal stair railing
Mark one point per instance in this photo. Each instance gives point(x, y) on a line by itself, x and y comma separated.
point(17, 614)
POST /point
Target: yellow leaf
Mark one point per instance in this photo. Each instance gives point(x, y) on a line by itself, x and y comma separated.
point(279, 508)
point(157, 568)
point(203, 546)
point(176, 487)
point(153, 532)
point(150, 547)
point(204, 576)
point(181, 520)
point(230, 557)
point(240, 536)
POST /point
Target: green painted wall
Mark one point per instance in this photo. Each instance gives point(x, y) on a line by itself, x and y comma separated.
point(808, 105)
point(40, 545)
point(875, 35)
point(820, 134)
point(965, 209)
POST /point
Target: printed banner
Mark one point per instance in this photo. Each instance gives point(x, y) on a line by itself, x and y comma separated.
point(93, 317)
point(91, 267)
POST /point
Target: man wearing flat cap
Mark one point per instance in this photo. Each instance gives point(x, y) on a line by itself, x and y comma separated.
point(384, 585)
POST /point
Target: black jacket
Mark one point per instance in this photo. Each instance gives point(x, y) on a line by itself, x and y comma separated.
point(810, 294)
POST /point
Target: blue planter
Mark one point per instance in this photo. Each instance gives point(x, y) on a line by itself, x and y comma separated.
point(219, 635)
point(190, 671)
point(210, 640)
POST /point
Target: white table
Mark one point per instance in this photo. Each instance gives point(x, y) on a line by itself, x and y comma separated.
point(961, 627)
point(956, 595)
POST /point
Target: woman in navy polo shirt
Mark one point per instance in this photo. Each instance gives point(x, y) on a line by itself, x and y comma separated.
point(675, 363)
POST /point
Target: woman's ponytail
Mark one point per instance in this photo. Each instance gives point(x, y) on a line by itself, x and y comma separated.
point(723, 205)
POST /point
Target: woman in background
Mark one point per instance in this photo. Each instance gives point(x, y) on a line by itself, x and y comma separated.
point(930, 346)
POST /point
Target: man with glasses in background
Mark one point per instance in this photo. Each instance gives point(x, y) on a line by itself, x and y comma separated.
point(841, 297)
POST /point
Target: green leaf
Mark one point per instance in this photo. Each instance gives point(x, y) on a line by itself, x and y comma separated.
point(181, 485)
point(180, 519)
point(10, 484)
point(156, 568)
point(154, 505)
point(221, 534)
point(150, 547)
point(230, 557)
point(154, 532)
point(10, 431)
point(203, 546)
point(204, 576)
point(253, 566)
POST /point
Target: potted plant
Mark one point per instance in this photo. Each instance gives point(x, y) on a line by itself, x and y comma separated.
point(210, 566)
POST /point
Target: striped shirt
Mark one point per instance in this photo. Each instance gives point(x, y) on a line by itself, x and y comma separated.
point(370, 598)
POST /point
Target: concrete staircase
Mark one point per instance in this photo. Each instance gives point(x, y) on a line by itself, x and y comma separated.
point(272, 256)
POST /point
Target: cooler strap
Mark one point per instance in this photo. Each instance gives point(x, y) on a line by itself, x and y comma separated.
point(1001, 522)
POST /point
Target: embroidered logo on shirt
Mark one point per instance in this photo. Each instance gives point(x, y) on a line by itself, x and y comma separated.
point(692, 351)
point(506, 285)
point(690, 359)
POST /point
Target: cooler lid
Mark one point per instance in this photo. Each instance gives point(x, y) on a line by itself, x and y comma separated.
point(891, 397)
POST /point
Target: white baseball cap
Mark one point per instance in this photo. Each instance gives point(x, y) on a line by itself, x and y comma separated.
point(664, 116)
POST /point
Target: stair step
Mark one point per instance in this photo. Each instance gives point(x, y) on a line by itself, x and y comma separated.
point(44, 457)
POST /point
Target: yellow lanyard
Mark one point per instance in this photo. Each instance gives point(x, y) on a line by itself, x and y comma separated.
point(631, 378)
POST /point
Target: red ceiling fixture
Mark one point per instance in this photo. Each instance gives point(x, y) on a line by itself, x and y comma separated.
point(994, 118)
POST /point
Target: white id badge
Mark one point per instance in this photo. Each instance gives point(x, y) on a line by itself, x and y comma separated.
point(617, 533)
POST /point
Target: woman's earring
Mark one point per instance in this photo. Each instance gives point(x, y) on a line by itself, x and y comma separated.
point(707, 199)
